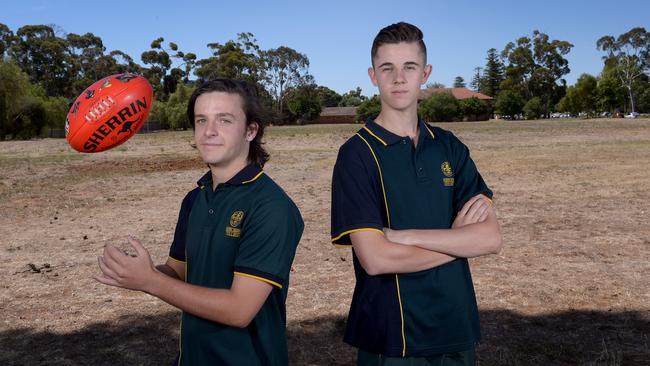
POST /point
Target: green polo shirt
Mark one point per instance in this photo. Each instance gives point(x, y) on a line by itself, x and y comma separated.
point(383, 180)
point(247, 226)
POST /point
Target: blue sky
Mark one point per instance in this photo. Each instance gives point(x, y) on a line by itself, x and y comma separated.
point(336, 35)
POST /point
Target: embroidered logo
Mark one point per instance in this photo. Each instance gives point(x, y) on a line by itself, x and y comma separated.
point(446, 169)
point(233, 232)
point(235, 221)
point(449, 174)
point(236, 217)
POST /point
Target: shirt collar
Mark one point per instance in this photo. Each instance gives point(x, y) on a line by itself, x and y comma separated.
point(248, 174)
point(388, 138)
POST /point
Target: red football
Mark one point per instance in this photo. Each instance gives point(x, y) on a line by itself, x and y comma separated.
point(108, 113)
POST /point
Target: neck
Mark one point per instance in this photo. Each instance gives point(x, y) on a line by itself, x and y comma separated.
point(401, 123)
point(223, 173)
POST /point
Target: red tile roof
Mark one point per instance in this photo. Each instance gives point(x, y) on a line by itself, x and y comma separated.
point(339, 111)
point(458, 93)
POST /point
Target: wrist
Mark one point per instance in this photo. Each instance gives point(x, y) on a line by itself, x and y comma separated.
point(154, 283)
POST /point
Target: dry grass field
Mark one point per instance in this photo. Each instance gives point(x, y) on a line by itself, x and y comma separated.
point(571, 286)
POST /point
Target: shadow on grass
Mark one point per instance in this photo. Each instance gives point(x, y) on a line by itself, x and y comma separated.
point(568, 338)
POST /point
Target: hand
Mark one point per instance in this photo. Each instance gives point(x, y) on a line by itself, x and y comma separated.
point(397, 236)
point(122, 270)
point(475, 210)
point(391, 235)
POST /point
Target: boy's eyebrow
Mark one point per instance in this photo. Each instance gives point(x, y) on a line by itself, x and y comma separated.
point(408, 63)
point(223, 114)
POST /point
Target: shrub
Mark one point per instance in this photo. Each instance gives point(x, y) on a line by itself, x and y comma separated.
point(368, 108)
point(441, 107)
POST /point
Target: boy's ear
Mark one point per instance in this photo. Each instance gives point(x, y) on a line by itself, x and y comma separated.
point(251, 131)
point(371, 73)
point(426, 73)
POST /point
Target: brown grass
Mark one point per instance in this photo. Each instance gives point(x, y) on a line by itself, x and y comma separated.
point(569, 288)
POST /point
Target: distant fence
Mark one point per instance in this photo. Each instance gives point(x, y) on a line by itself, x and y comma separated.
point(59, 133)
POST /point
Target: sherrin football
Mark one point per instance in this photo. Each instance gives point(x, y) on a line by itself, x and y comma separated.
point(108, 113)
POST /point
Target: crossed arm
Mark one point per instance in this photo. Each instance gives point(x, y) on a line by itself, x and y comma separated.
point(475, 232)
point(235, 307)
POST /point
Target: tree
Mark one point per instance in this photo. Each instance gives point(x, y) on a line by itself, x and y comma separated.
point(643, 98)
point(369, 108)
point(629, 55)
point(472, 108)
point(235, 59)
point(435, 85)
point(6, 37)
point(611, 93)
point(535, 65)
point(285, 68)
point(581, 97)
point(353, 98)
point(459, 82)
point(477, 80)
point(24, 107)
point(85, 52)
point(44, 57)
point(508, 103)
point(493, 74)
point(161, 75)
point(534, 108)
point(303, 103)
point(442, 107)
point(328, 97)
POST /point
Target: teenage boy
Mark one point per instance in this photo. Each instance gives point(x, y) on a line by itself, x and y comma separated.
point(237, 232)
point(410, 202)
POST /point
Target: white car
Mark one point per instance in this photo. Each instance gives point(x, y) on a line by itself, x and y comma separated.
point(632, 115)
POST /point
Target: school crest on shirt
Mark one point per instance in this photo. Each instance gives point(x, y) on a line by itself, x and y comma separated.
point(235, 221)
point(236, 217)
point(449, 174)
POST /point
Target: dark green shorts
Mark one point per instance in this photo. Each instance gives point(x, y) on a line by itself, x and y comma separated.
point(463, 358)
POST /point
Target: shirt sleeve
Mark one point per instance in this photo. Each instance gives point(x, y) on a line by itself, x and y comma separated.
point(468, 181)
point(177, 249)
point(268, 246)
point(357, 202)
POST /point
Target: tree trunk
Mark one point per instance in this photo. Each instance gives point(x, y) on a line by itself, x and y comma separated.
point(629, 89)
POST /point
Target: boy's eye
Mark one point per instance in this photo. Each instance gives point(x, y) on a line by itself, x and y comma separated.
point(200, 120)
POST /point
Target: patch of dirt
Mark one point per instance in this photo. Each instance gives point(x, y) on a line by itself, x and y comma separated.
point(570, 286)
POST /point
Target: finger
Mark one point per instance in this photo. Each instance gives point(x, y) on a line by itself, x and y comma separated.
point(473, 213)
point(106, 268)
point(107, 281)
point(480, 211)
point(137, 245)
point(484, 216)
point(466, 207)
point(112, 259)
point(486, 198)
point(114, 254)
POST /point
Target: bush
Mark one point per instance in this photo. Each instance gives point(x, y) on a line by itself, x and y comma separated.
point(534, 108)
point(369, 108)
point(173, 113)
point(24, 108)
point(473, 107)
point(440, 107)
point(302, 104)
point(508, 103)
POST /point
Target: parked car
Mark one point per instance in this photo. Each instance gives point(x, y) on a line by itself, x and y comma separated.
point(632, 115)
